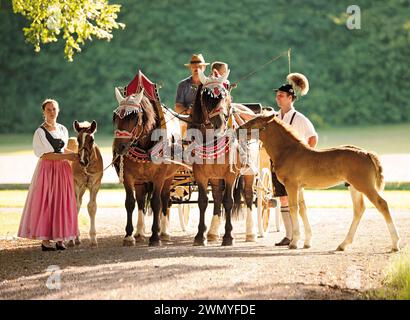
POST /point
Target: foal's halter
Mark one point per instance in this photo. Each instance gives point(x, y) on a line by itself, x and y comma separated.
point(82, 149)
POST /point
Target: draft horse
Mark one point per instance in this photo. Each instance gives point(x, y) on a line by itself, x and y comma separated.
point(135, 121)
point(210, 113)
point(298, 166)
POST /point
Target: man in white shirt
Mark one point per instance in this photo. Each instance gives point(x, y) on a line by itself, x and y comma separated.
point(285, 97)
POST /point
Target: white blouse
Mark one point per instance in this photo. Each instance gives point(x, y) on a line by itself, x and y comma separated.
point(41, 144)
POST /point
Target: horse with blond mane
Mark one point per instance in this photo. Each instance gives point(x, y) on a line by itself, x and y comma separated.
point(299, 166)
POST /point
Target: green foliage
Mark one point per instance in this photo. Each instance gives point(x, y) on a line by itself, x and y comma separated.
point(73, 18)
point(356, 77)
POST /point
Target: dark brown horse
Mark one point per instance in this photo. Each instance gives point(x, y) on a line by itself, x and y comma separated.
point(135, 121)
point(210, 114)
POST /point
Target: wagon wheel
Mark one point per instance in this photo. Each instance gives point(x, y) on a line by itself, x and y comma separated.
point(265, 201)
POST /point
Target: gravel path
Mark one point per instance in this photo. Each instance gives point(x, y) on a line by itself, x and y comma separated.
point(177, 270)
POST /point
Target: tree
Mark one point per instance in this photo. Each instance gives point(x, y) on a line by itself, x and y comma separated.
point(76, 20)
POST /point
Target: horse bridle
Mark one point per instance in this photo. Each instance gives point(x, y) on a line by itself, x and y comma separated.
point(124, 134)
point(210, 115)
point(82, 148)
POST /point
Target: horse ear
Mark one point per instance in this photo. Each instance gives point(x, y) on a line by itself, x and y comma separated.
point(118, 96)
point(76, 126)
point(202, 76)
point(225, 77)
point(93, 127)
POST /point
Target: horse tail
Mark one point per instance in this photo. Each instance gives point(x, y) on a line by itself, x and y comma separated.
point(237, 193)
point(379, 170)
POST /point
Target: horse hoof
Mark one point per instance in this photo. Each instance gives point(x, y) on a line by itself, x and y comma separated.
point(94, 244)
point(165, 237)
point(395, 250)
point(340, 248)
point(70, 243)
point(250, 238)
point(293, 246)
point(212, 237)
point(139, 238)
point(154, 243)
point(227, 242)
point(199, 242)
point(77, 242)
point(306, 246)
point(128, 241)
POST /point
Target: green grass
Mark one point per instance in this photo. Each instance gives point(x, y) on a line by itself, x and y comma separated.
point(115, 198)
point(10, 221)
point(397, 279)
point(381, 139)
point(109, 198)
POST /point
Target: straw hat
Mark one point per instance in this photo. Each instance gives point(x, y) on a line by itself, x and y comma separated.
point(197, 59)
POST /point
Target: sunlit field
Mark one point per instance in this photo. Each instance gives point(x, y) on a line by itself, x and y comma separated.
point(384, 139)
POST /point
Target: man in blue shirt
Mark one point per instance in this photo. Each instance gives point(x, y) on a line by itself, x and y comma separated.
point(188, 87)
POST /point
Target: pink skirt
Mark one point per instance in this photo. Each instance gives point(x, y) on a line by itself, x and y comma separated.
point(50, 212)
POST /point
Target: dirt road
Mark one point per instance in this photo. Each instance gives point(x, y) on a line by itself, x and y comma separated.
point(177, 270)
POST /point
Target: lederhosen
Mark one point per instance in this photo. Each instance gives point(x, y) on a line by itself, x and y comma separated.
point(56, 143)
point(280, 190)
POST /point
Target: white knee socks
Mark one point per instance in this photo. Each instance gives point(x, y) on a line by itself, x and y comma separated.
point(287, 221)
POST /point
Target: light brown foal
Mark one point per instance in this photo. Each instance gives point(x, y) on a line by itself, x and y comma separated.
point(298, 166)
point(87, 172)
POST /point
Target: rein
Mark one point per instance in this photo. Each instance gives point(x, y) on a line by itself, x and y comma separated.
point(250, 74)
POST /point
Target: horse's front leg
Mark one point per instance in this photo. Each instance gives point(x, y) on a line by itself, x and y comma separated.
point(154, 240)
point(202, 204)
point(250, 215)
point(165, 193)
point(92, 211)
point(140, 194)
point(228, 204)
point(130, 206)
point(293, 195)
point(217, 192)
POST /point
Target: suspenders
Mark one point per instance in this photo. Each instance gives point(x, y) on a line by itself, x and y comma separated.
point(293, 117)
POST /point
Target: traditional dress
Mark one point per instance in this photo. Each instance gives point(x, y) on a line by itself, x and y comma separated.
point(50, 212)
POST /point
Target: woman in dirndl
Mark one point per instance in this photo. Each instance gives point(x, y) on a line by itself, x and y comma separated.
point(50, 212)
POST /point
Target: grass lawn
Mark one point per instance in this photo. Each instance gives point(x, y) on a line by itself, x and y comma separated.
point(115, 198)
point(381, 139)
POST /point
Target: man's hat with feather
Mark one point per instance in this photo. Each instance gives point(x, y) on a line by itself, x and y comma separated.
point(298, 85)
